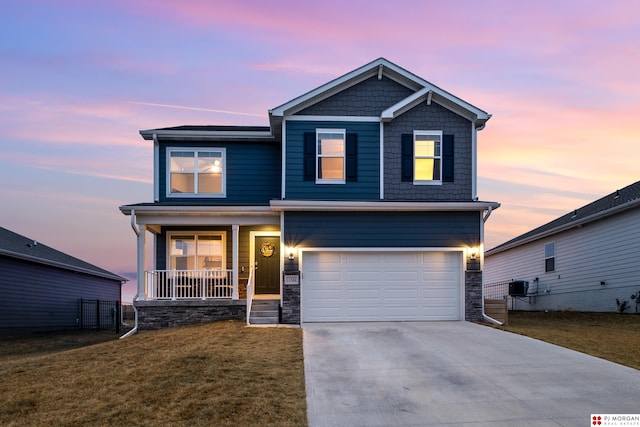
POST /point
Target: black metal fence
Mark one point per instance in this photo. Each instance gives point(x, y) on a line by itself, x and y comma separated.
point(100, 315)
point(496, 290)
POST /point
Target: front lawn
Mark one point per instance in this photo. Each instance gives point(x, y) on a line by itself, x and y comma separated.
point(222, 374)
point(610, 336)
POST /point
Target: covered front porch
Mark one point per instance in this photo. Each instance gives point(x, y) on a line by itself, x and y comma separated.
point(199, 260)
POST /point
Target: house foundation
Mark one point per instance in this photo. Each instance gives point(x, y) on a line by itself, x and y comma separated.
point(165, 314)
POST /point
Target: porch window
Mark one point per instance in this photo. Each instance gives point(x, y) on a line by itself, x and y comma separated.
point(197, 251)
point(196, 172)
point(330, 156)
point(428, 157)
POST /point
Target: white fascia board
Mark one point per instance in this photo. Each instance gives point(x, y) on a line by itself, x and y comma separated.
point(404, 105)
point(575, 224)
point(196, 210)
point(306, 205)
point(330, 88)
point(61, 265)
point(199, 134)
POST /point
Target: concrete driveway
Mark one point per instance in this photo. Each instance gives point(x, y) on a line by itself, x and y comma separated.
point(455, 373)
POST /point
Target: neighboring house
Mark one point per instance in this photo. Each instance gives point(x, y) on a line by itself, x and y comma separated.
point(366, 187)
point(583, 261)
point(41, 287)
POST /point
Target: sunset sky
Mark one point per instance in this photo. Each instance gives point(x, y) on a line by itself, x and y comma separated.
point(79, 79)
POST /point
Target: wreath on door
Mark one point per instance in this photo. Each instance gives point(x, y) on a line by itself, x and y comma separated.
point(267, 249)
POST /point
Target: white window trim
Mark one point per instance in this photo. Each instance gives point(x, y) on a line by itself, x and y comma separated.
point(344, 157)
point(415, 157)
point(222, 234)
point(549, 257)
point(195, 194)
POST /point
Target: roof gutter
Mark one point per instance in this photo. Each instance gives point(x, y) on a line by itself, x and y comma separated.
point(135, 298)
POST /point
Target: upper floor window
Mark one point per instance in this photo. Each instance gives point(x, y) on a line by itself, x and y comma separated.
point(427, 157)
point(549, 257)
point(196, 172)
point(427, 151)
point(330, 156)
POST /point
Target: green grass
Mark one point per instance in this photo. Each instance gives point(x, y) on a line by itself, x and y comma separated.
point(611, 336)
point(222, 374)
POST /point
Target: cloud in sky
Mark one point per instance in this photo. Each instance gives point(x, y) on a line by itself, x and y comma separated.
point(78, 80)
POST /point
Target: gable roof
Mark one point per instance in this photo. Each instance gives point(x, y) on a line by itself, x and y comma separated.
point(423, 89)
point(611, 204)
point(15, 245)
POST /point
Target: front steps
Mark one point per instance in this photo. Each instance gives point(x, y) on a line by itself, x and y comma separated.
point(265, 312)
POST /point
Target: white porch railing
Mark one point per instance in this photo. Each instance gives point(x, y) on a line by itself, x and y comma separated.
point(249, 294)
point(188, 284)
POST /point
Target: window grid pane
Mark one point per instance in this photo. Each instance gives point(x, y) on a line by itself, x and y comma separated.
point(427, 157)
point(196, 172)
point(331, 156)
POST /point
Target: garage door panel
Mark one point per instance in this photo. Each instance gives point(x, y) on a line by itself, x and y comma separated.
point(400, 276)
point(362, 276)
point(378, 286)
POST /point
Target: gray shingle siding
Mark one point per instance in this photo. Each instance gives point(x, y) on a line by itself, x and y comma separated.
point(368, 98)
point(428, 117)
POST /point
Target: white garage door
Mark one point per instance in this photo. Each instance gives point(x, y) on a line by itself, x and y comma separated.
point(381, 286)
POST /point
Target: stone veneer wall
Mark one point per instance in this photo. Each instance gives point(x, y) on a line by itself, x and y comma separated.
point(165, 314)
point(473, 296)
point(291, 302)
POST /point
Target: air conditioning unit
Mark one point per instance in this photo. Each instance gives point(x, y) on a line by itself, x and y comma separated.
point(518, 288)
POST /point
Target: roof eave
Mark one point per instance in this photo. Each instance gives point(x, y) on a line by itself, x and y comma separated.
point(61, 265)
point(304, 205)
point(564, 227)
point(182, 135)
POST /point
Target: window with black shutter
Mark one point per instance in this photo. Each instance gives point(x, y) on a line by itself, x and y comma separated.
point(427, 157)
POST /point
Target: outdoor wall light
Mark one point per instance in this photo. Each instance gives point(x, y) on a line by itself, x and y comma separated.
point(291, 251)
point(473, 254)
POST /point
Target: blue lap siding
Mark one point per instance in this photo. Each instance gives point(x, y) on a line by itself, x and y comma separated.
point(253, 172)
point(367, 186)
point(381, 229)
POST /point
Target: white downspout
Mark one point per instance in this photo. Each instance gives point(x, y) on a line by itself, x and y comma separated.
point(484, 315)
point(135, 298)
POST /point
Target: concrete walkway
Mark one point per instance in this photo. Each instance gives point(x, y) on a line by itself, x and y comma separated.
point(455, 373)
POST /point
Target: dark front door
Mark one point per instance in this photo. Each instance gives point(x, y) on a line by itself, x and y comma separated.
point(267, 268)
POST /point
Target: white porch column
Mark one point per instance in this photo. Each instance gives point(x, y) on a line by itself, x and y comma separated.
point(141, 261)
point(235, 243)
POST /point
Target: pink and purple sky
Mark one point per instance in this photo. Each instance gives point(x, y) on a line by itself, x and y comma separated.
point(79, 79)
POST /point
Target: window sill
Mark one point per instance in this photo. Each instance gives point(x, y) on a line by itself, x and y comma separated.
point(427, 182)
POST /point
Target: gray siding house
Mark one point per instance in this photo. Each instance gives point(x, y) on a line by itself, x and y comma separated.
point(41, 287)
point(584, 260)
point(358, 203)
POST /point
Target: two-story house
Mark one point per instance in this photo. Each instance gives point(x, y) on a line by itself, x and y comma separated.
point(358, 203)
